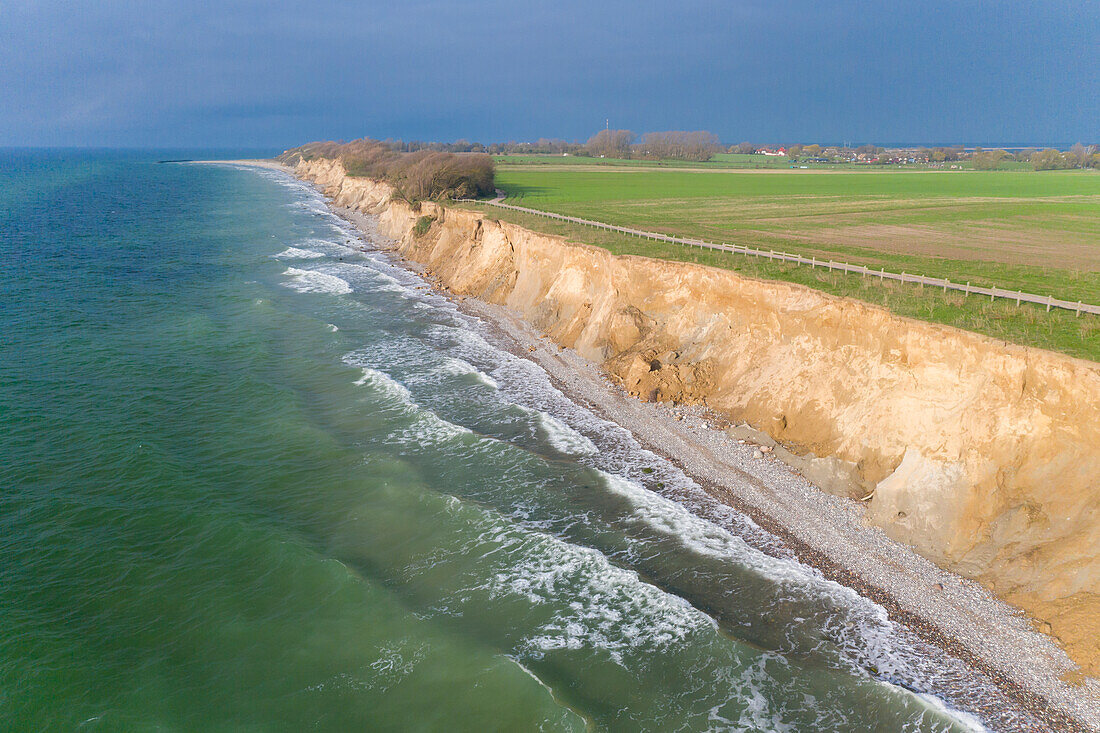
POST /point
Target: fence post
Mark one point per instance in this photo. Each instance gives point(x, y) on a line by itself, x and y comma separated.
point(904, 277)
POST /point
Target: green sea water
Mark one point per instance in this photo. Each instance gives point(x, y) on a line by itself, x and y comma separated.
point(255, 477)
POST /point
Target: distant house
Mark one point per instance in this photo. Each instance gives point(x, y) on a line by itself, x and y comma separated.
point(769, 151)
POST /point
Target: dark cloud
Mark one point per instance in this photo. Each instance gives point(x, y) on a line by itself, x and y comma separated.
point(239, 72)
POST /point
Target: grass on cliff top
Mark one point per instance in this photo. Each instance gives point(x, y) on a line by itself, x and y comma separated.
point(1026, 324)
point(1019, 230)
point(1037, 232)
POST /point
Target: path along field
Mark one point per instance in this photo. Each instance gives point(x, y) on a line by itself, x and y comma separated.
point(1034, 231)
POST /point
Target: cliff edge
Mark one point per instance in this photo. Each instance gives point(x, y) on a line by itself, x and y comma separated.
point(983, 456)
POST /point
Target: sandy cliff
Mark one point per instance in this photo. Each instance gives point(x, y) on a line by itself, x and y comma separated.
point(983, 456)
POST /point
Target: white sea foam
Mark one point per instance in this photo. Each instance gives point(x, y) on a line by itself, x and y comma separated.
point(970, 722)
point(486, 379)
point(601, 606)
point(312, 281)
point(332, 327)
point(426, 427)
point(429, 429)
point(367, 277)
point(294, 253)
point(318, 208)
point(706, 538)
point(386, 385)
point(674, 520)
point(564, 438)
point(453, 366)
point(859, 628)
point(380, 281)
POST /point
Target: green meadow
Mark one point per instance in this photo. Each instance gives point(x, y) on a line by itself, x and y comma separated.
point(1021, 230)
point(728, 161)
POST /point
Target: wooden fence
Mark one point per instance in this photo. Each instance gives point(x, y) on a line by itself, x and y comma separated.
point(935, 282)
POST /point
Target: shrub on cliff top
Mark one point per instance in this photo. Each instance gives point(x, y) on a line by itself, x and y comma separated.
point(424, 174)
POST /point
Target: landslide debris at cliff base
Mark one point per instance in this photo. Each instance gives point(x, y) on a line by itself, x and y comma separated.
point(983, 456)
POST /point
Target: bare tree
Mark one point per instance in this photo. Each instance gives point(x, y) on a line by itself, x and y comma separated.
point(678, 145)
point(610, 143)
point(1079, 152)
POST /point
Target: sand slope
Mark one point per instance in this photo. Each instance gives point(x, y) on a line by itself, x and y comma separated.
point(983, 456)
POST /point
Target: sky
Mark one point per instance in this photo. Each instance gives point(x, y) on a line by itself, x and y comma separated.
point(276, 74)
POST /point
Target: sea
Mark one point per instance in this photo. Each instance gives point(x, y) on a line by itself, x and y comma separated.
point(256, 476)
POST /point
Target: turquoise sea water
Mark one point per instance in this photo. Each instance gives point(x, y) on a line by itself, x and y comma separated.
point(253, 478)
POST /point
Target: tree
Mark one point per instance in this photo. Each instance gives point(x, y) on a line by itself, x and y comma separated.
point(793, 151)
point(678, 145)
point(1048, 160)
point(1078, 151)
point(415, 176)
point(610, 143)
point(987, 160)
point(745, 148)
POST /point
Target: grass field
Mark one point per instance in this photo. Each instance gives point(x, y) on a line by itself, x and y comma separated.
point(722, 161)
point(1037, 232)
point(728, 161)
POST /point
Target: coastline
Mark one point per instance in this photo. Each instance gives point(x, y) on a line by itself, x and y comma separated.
point(251, 163)
point(826, 532)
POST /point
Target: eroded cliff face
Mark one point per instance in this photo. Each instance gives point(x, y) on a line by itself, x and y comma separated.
point(983, 456)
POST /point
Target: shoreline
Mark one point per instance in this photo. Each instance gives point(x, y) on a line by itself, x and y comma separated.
point(824, 531)
point(247, 162)
point(785, 504)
